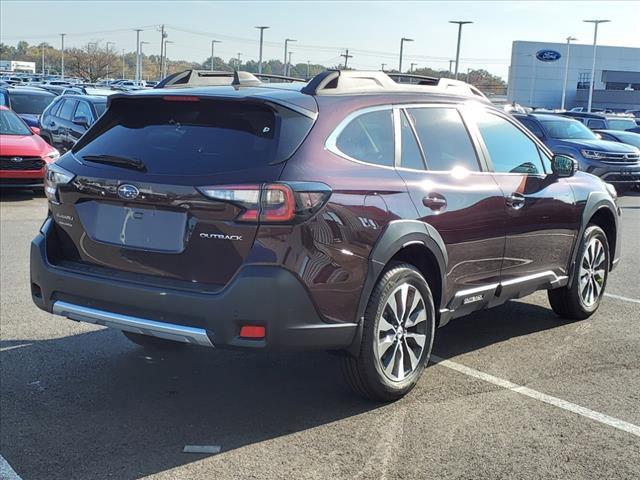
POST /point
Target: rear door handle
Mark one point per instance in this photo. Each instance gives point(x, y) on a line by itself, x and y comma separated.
point(515, 200)
point(434, 201)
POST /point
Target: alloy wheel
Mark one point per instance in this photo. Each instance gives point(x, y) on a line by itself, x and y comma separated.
point(592, 272)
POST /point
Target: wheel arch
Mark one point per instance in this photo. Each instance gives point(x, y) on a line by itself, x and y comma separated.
point(406, 241)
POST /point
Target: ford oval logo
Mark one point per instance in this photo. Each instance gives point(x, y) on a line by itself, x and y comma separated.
point(128, 192)
point(548, 55)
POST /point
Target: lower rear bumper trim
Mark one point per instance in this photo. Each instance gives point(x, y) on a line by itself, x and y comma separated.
point(168, 331)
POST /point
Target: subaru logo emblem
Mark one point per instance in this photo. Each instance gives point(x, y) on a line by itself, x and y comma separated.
point(128, 192)
point(548, 55)
point(16, 159)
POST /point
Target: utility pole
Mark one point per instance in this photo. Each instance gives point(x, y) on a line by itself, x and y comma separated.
point(382, 66)
point(451, 62)
point(262, 29)
point(123, 76)
point(239, 62)
point(138, 30)
point(460, 23)
point(42, 49)
point(402, 40)
point(108, 57)
point(289, 63)
point(141, 61)
point(62, 35)
point(213, 44)
point(286, 41)
point(593, 65)
point(163, 35)
point(308, 69)
point(566, 71)
point(346, 57)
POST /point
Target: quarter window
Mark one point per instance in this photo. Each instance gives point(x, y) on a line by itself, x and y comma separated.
point(411, 156)
point(83, 110)
point(369, 138)
point(511, 151)
point(66, 111)
point(444, 139)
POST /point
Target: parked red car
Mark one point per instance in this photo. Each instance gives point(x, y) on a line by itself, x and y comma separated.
point(23, 153)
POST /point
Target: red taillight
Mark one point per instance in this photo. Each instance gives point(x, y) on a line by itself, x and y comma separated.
point(270, 203)
point(252, 331)
point(180, 98)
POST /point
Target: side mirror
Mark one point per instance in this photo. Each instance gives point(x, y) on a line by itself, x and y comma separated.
point(35, 130)
point(564, 166)
point(82, 121)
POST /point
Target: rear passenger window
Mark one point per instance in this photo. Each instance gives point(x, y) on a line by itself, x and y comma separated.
point(510, 150)
point(66, 111)
point(83, 110)
point(369, 138)
point(596, 124)
point(444, 139)
point(411, 156)
point(56, 108)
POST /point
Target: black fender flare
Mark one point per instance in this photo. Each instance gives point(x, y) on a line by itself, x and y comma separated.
point(595, 201)
point(397, 235)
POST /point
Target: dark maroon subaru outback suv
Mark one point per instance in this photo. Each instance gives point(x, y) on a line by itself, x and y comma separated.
point(350, 213)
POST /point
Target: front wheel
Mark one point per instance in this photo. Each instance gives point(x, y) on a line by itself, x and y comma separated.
point(398, 332)
point(581, 298)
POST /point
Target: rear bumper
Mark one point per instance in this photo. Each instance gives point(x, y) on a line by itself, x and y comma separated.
point(264, 295)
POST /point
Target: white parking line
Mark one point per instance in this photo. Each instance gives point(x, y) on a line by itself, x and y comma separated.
point(620, 297)
point(6, 472)
point(557, 402)
point(12, 347)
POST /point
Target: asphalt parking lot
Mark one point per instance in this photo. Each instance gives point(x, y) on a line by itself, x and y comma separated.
point(82, 402)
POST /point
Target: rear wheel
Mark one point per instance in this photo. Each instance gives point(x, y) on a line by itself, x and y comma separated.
point(153, 343)
point(581, 298)
point(397, 337)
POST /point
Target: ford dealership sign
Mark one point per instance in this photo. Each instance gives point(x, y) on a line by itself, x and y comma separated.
point(548, 55)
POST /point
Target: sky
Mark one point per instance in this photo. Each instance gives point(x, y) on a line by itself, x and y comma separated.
point(371, 30)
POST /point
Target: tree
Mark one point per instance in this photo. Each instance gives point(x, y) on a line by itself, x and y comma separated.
point(91, 62)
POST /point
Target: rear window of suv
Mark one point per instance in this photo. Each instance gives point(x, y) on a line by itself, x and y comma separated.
point(195, 137)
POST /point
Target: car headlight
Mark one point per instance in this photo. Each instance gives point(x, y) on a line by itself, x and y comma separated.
point(593, 154)
point(54, 176)
point(612, 190)
point(53, 155)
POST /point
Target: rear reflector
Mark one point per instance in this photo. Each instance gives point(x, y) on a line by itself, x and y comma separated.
point(252, 331)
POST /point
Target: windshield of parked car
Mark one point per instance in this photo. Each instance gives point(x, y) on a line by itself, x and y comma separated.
point(10, 124)
point(33, 103)
point(568, 130)
point(621, 123)
point(629, 138)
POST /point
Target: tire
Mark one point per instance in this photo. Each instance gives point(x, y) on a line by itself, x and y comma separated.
point(581, 298)
point(153, 343)
point(397, 348)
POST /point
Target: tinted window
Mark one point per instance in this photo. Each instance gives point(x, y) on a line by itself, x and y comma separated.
point(591, 123)
point(532, 126)
point(369, 138)
point(411, 156)
point(100, 107)
point(55, 108)
point(83, 110)
point(511, 151)
point(3, 99)
point(621, 123)
point(444, 139)
point(568, 129)
point(66, 111)
point(33, 103)
point(194, 138)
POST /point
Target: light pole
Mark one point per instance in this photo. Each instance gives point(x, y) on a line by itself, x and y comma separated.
point(166, 57)
point(308, 69)
point(382, 65)
point(262, 29)
point(451, 62)
point(566, 72)
point(141, 62)
point(213, 44)
point(411, 68)
point(532, 84)
point(286, 41)
point(123, 76)
point(402, 40)
point(138, 30)
point(108, 57)
point(62, 35)
point(42, 50)
point(460, 23)
point(239, 61)
point(289, 63)
point(593, 65)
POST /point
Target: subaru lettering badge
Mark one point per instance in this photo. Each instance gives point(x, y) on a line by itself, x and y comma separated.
point(128, 192)
point(16, 159)
point(548, 55)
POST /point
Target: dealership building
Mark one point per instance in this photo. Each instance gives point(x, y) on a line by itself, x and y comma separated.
point(537, 72)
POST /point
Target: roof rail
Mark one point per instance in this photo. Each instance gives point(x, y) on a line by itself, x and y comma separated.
point(270, 76)
point(205, 78)
point(336, 82)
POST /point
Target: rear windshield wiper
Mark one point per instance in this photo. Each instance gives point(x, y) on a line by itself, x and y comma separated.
point(124, 162)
